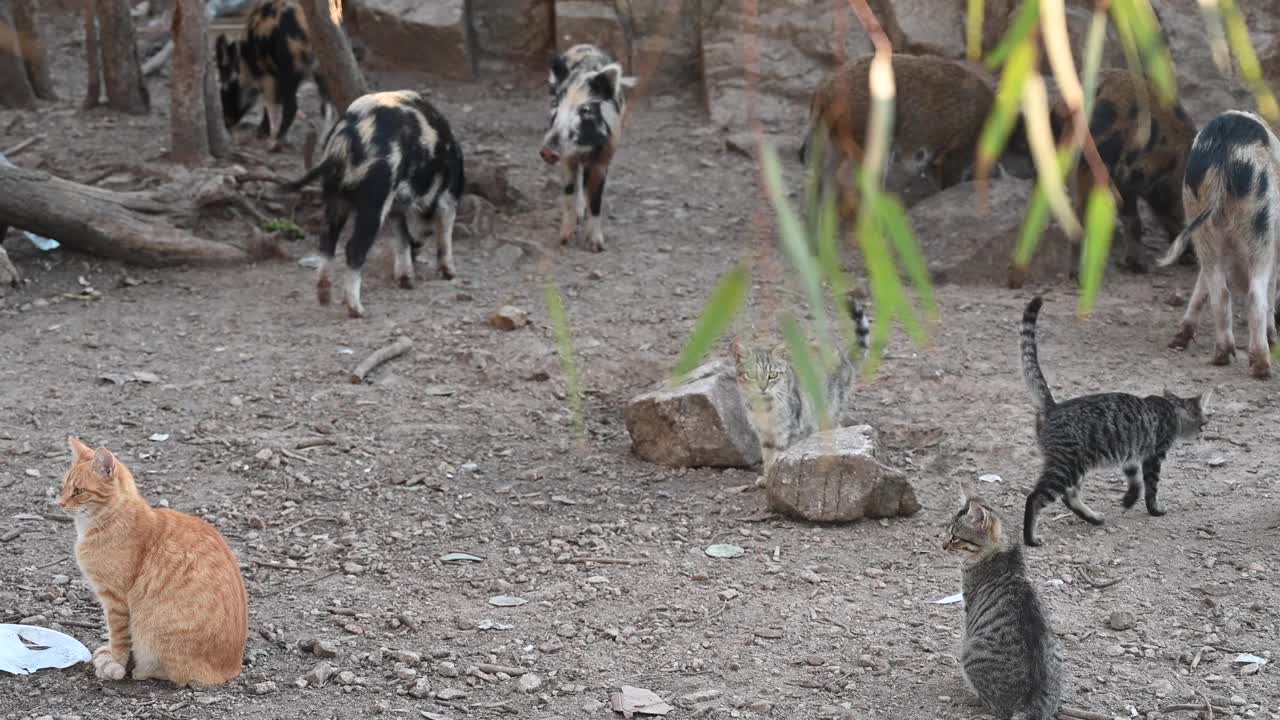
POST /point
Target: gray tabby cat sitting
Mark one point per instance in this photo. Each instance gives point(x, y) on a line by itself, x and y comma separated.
point(1011, 659)
point(1097, 431)
point(780, 414)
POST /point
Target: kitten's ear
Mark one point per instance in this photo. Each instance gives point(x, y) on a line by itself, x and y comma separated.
point(79, 451)
point(104, 463)
point(981, 518)
point(1205, 400)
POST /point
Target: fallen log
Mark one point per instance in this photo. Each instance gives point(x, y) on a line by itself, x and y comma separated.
point(101, 222)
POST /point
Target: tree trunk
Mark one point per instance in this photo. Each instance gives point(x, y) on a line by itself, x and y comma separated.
point(219, 139)
point(101, 222)
point(93, 58)
point(188, 121)
point(33, 49)
point(121, 70)
point(15, 86)
point(329, 42)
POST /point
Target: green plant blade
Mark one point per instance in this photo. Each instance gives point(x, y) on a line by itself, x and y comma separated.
point(1028, 18)
point(1100, 218)
point(728, 297)
point(973, 31)
point(564, 343)
point(812, 381)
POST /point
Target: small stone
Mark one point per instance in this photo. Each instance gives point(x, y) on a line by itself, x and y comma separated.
point(263, 455)
point(529, 683)
point(1122, 620)
point(352, 568)
point(815, 660)
point(701, 696)
point(509, 317)
point(408, 657)
point(1238, 701)
point(1114, 650)
point(318, 675)
point(263, 688)
point(1162, 688)
point(404, 675)
point(450, 694)
point(60, 580)
point(421, 688)
point(872, 662)
point(729, 594)
point(551, 647)
point(447, 669)
point(1217, 461)
point(566, 630)
point(346, 677)
point(324, 649)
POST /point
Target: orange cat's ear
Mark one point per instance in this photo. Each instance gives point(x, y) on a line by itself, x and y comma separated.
point(104, 463)
point(79, 451)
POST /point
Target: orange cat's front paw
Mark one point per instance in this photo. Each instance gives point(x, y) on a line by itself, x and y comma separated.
point(105, 666)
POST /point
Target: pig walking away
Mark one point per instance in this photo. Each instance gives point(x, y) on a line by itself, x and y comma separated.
point(1232, 193)
point(587, 104)
point(391, 154)
point(272, 59)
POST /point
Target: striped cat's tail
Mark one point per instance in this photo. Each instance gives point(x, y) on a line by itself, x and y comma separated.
point(1030, 358)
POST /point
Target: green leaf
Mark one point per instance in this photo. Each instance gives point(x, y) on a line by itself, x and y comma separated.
point(973, 31)
point(1028, 18)
point(893, 218)
point(794, 244)
point(564, 343)
point(811, 379)
point(726, 300)
point(1100, 217)
point(1004, 113)
point(1250, 69)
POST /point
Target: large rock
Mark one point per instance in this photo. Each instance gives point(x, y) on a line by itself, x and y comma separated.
point(964, 245)
point(653, 39)
point(518, 31)
point(429, 36)
point(797, 42)
point(836, 476)
point(699, 423)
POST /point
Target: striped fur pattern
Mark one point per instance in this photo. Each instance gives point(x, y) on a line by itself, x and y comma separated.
point(1011, 658)
point(1098, 431)
point(271, 59)
point(1145, 155)
point(169, 585)
point(392, 154)
point(1232, 190)
point(779, 411)
point(587, 91)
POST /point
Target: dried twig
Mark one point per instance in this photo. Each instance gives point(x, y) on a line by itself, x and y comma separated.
point(57, 518)
point(11, 534)
point(289, 453)
point(491, 669)
point(392, 351)
point(86, 624)
point(10, 152)
point(1078, 714)
point(309, 520)
point(314, 442)
point(153, 64)
point(1100, 584)
point(608, 561)
point(1206, 706)
point(276, 566)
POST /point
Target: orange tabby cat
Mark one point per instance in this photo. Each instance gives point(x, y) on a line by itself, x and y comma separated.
point(168, 582)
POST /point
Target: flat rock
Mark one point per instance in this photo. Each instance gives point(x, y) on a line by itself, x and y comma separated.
point(836, 476)
point(399, 30)
point(519, 31)
point(962, 244)
point(701, 422)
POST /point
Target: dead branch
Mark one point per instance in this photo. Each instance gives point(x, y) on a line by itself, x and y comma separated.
point(390, 352)
point(154, 63)
point(12, 151)
point(1205, 707)
point(101, 222)
point(1078, 714)
point(608, 561)
point(494, 669)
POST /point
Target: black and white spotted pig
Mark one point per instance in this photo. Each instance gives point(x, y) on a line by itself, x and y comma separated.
point(272, 59)
point(587, 104)
point(1231, 191)
point(392, 154)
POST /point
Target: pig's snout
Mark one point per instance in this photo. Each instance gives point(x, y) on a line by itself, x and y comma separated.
point(549, 155)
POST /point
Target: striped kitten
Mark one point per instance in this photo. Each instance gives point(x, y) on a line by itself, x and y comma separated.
point(1100, 431)
point(779, 411)
point(1011, 659)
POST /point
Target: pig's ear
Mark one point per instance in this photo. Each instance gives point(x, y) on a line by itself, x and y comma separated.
point(607, 81)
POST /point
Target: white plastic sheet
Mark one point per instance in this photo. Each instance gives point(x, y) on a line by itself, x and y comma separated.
point(25, 649)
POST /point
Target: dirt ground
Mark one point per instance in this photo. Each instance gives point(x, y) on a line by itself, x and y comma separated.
point(226, 392)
